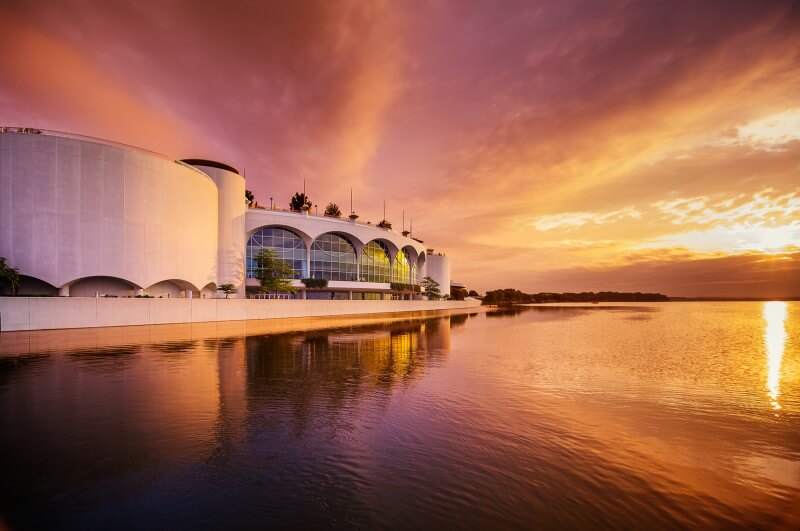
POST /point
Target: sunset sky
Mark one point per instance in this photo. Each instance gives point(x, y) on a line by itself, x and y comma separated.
point(547, 146)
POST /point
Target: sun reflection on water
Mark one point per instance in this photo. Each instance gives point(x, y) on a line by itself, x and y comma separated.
point(775, 340)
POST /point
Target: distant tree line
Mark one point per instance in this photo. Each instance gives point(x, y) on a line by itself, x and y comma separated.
point(515, 296)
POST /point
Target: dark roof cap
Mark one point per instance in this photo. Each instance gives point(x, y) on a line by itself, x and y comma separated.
point(211, 164)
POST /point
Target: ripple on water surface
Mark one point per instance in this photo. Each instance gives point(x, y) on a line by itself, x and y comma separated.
point(632, 416)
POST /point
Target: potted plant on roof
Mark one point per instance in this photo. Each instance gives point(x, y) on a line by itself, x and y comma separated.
point(332, 211)
point(300, 202)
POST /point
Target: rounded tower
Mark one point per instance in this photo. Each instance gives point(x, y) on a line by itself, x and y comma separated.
point(231, 211)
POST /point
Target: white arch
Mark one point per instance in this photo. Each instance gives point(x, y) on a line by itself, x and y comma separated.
point(307, 238)
point(171, 287)
point(29, 285)
point(354, 244)
point(313, 226)
point(93, 285)
point(412, 258)
point(353, 240)
point(393, 249)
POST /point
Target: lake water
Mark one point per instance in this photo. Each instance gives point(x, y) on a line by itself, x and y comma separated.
point(639, 416)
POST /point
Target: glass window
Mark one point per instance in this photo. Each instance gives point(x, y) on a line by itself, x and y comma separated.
point(411, 256)
point(375, 263)
point(289, 246)
point(368, 296)
point(333, 258)
point(401, 269)
point(328, 295)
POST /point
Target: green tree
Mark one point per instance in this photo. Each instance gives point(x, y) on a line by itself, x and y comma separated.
point(249, 197)
point(273, 274)
point(431, 288)
point(9, 275)
point(458, 294)
point(333, 211)
point(227, 289)
point(300, 201)
point(473, 293)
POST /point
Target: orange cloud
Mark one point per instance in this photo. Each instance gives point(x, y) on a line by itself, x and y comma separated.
point(553, 146)
point(62, 90)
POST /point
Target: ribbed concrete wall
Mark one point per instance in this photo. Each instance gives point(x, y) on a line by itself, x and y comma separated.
point(45, 313)
point(72, 208)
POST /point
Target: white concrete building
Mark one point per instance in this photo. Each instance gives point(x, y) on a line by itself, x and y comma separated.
point(87, 217)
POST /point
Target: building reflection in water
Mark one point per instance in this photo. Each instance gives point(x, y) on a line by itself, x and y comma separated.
point(199, 405)
point(775, 342)
point(322, 374)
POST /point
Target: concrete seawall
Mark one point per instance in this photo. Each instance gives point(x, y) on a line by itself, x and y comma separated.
point(50, 313)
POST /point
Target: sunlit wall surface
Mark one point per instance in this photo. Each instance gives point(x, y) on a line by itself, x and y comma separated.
point(231, 225)
point(73, 208)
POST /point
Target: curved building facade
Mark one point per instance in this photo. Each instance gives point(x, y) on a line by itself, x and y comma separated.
point(88, 217)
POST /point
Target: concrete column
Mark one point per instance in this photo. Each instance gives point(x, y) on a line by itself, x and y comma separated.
point(63, 291)
point(350, 295)
point(187, 294)
point(139, 292)
point(303, 294)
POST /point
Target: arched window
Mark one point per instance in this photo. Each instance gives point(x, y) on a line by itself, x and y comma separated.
point(401, 269)
point(289, 246)
point(411, 257)
point(333, 258)
point(375, 263)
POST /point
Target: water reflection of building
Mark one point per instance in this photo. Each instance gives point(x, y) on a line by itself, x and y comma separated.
point(197, 402)
point(231, 375)
point(329, 370)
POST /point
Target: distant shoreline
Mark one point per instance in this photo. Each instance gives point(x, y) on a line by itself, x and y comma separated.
point(671, 299)
point(514, 296)
point(734, 299)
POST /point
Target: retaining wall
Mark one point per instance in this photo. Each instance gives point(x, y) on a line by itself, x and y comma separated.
point(49, 313)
